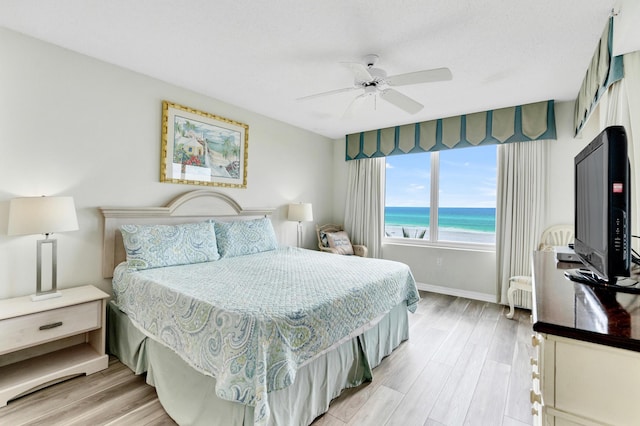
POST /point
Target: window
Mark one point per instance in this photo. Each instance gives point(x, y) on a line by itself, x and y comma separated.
point(445, 196)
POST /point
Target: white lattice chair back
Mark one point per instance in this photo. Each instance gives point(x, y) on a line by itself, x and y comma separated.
point(556, 235)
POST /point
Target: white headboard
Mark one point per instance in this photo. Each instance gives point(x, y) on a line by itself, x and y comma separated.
point(193, 206)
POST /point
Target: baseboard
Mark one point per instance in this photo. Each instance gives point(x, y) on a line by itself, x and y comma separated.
point(484, 297)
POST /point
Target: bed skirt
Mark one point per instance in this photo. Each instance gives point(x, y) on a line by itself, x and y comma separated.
point(189, 397)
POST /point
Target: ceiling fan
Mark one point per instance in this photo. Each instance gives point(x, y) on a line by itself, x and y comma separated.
point(375, 82)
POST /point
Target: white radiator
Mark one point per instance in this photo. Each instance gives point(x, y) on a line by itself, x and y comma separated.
point(522, 299)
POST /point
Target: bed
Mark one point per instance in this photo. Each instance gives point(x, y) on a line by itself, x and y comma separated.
point(234, 329)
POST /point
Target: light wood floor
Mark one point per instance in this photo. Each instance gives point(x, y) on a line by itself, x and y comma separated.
point(465, 363)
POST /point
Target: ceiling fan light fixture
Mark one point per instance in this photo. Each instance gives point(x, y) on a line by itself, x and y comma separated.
point(370, 90)
point(374, 81)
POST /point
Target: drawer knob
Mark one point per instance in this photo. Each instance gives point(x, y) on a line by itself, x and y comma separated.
point(534, 341)
point(535, 397)
point(50, 326)
point(533, 361)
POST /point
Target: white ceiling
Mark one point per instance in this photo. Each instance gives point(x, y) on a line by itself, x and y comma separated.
point(263, 55)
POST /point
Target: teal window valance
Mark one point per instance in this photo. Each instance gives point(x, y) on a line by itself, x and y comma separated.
point(603, 71)
point(514, 124)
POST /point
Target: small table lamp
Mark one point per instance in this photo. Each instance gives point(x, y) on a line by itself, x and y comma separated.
point(43, 215)
point(300, 212)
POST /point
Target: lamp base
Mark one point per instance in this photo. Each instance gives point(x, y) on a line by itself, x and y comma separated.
point(52, 292)
point(299, 234)
point(45, 296)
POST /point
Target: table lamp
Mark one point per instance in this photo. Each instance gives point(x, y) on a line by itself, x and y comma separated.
point(300, 212)
point(43, 215)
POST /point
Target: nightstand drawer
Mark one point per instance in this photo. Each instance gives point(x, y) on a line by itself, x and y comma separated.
point(30, 330)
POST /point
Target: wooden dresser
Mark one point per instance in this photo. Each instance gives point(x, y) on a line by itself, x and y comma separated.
point(586, 370)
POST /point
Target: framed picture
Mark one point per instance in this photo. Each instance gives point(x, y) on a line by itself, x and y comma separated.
point(199, 148)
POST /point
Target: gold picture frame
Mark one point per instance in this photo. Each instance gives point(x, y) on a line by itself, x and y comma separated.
point(199, 148)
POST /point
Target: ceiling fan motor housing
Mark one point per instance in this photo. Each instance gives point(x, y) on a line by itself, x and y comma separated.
point(378, 76)
point(370, 60)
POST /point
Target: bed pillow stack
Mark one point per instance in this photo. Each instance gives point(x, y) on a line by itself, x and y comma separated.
point(156, 246)
point(244, 237)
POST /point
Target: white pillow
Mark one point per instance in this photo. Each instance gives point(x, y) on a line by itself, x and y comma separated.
point(340, 241)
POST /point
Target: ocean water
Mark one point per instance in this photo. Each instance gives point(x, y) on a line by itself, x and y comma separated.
point(471, 224)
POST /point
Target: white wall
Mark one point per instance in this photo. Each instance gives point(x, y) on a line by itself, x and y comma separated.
point(560, 164)
point(472, 273)
point(72, 125)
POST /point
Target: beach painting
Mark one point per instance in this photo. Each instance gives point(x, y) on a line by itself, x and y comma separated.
point(200, 148)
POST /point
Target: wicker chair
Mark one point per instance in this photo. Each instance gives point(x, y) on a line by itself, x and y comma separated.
point(358, 249)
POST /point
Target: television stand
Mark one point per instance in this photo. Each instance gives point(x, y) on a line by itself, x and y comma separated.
point(585, 276)
point(586, 360)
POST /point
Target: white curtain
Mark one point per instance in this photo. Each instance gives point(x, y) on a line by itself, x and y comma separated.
point(621, 106)
point(364, 207)
point(520, 209)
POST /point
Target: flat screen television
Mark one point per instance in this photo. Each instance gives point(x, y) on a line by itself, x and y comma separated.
point(603, 206)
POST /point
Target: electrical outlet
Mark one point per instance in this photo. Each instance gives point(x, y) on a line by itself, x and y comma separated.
point(438, 261)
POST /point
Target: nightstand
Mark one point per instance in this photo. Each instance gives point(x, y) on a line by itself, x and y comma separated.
point(48, 341)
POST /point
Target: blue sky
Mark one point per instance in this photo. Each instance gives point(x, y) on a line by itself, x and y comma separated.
point(467, 178)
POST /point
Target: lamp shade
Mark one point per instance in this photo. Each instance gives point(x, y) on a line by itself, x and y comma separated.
point(41, 215)
point(300, 212)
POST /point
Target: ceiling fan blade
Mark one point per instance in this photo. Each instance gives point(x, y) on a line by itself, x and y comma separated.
point(426, 76)
point(330, 92)
point(403, 102)
point(355, 106)
point(360, 71)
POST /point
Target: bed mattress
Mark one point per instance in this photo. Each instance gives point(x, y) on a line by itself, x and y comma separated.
point(252, 321)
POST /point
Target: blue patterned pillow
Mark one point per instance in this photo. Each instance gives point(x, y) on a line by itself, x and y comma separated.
point(242, 237)
point(155, 246)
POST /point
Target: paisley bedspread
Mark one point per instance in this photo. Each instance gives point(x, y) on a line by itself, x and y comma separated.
point(251, 321)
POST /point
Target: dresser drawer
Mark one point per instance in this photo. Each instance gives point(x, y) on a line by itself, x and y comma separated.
point(597, 382)
point(30, 330)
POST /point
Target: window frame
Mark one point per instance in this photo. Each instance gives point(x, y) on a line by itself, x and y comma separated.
point(433, 241)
